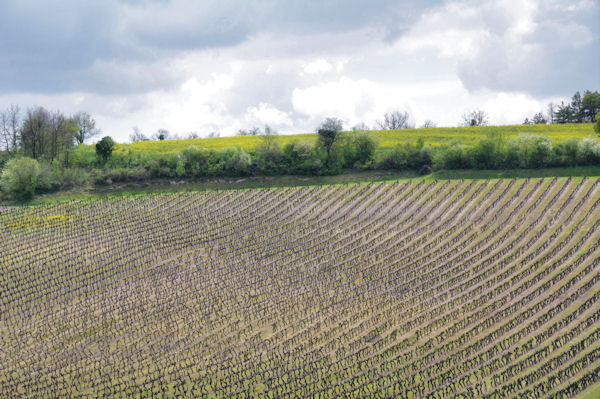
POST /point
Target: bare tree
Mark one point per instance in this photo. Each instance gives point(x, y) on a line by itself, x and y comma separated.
point(86, 127)
point(34, 132)
point(476, 117)
point(551, 112)
point(395, 120)
point(137, 135)
point(428, 123)
point(10, 128)
point(250, 132)
point(62, 134)
point(161, 134)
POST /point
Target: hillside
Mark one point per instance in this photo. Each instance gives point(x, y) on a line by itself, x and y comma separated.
point(388, 139)
point(482, 288)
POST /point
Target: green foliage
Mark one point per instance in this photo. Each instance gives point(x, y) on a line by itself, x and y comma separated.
point(359, 149)
point(20, 178)
point(588, 151)
point(452, 157)
point(105, 147)
point(597, 124)
point(328, 133)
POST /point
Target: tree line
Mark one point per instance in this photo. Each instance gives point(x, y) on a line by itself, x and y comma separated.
point(41, 151)
point(42, 134)
point(581, 109)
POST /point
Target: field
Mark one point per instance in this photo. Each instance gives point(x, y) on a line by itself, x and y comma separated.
point(388, 138)
point(476, 288)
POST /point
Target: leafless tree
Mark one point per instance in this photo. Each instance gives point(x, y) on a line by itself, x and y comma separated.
point(476, 117)
point(161, 134)
point(137, 135)
point(86, 127)
point(428, 123)
point(62, 133)
point(10, 128)
point(395, 120)
point(551, 112)
point(360, 127)
point(250, 132)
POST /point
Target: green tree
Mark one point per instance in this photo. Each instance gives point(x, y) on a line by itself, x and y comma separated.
point(105, 147)
point(597, 125)
point(576, 108)
point(564, 114)
point(20, 178)
point(590, 106)
point(328, 132)
point(359, 148)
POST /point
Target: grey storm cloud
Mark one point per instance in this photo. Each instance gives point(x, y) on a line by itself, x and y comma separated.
point(560, 55)
point(112, 47)
point(64, 46)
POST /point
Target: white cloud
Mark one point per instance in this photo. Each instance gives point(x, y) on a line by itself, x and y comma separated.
point(265, 114)
point(316, 66)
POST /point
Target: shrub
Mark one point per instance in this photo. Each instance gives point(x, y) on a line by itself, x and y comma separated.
point(567, 151)
point(588, 151)
point(534, 151)
point(359, 149)
point(452, 157)
point(301, 157)
point(20, 178)
point(396, 159)
point(487, 153)
point(105, 147)
point(597, 124)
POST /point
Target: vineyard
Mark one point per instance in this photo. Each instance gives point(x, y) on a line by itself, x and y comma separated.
point(481, 288)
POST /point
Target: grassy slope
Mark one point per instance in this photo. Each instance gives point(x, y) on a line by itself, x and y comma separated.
point(388, 138)
point(177, 185)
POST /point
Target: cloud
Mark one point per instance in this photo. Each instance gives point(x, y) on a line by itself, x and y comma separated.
point(316, 66)
point(225, 65)
point(545, 48)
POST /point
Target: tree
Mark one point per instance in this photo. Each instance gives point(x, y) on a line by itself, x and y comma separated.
point(250, 132)
point(34, 132)
point(328, 132)
point(395, 120)
point(476, 117)
point(597, 125)
point(564, 114)
point(86, 127)
point(137, 135)
point(527, 121)
point(62, 132)
point(46, 135)
point(539, 119)
point(161, 134)
point(20, 178)
point(576, 108)
point(105, 147)
point(590, 106)
point(428, 124)
point(551, 112)
point(360, 148)
point(10, 129)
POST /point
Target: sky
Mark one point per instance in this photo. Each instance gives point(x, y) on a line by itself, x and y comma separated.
point(217, 66)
